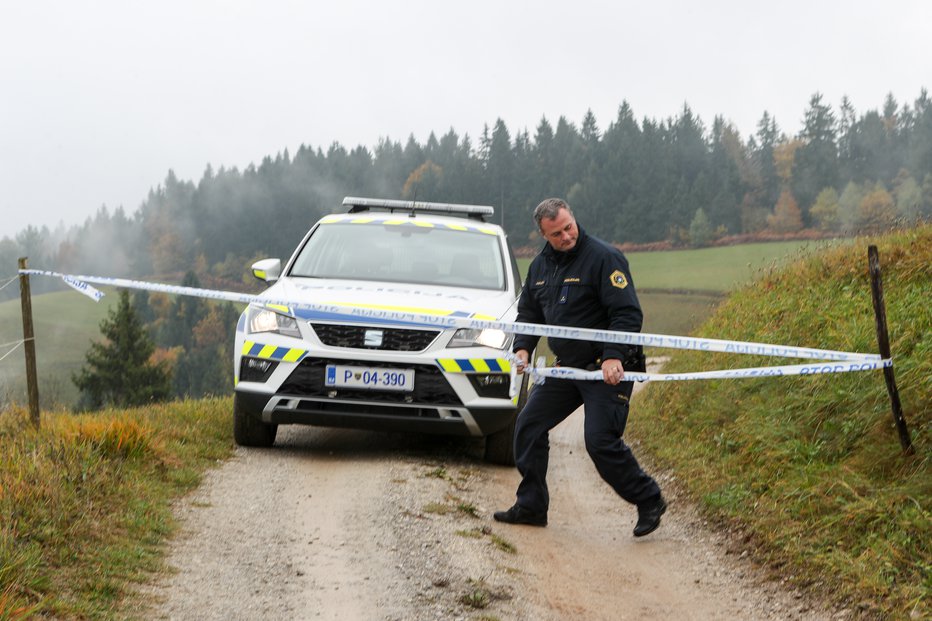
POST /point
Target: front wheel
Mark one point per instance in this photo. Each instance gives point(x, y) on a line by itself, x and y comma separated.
point(248, 430)
point(500, 446)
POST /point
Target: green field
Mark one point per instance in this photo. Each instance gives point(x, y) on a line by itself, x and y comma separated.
point(715, 269)
point(675, 313)
point(64, 324)
point(710, 269)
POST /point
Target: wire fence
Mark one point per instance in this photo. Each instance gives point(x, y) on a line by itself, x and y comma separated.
point(8, 282)
point(13, 345)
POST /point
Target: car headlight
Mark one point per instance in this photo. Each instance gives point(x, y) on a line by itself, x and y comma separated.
point(265, 320)
point(470, 337)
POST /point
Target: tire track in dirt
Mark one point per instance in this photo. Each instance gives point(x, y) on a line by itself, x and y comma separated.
point(340, 524)
point(287, 533)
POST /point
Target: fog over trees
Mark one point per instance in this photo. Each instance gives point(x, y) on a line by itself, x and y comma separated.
point(630, 181)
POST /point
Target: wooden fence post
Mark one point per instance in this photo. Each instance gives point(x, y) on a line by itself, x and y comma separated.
point(29, 345)
point(883, 341)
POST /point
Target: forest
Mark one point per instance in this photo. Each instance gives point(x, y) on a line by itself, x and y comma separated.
point(639, 182)
point(665, 183)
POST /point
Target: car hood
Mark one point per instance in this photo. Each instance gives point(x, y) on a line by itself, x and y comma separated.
point(402, 297)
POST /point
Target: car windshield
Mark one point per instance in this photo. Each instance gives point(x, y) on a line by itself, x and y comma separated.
point(409, 252)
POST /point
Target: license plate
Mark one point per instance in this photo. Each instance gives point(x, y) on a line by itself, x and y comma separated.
point(369, 378)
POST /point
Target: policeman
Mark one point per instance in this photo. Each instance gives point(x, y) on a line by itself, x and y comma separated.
point(580, 281)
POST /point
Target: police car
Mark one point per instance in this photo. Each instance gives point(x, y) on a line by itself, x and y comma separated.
point(297, 365)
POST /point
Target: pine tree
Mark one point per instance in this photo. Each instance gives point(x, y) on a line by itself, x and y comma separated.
point(118, 372)
point(768, 137)
point(700, 231)
point(816, 163)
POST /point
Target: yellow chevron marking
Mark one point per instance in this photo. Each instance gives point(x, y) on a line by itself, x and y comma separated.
point(486, 231)
point(279, 307)
point(457, 227)
point(481, 316)
point(395, 222)
point(293, 355)
point(247, 345)
point(331, 219)
point(449, 365)
point(479, 365)
point(365, 220)
point(426, 225)
point(267, 351)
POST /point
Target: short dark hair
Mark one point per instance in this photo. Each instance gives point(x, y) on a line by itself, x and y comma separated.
point(549, 208)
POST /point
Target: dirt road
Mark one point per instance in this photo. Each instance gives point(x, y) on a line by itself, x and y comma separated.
point(336, 524)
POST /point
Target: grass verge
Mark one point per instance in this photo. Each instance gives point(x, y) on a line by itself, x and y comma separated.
point(810, 468)
point(85, 502)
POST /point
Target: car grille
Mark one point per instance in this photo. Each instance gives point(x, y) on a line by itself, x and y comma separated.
point(393, 339)
point(430, 386)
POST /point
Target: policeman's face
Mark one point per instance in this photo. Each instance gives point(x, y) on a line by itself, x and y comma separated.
point(560, 232)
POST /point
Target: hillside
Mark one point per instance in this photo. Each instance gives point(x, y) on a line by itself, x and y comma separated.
point(65, 323)
point(809, 469)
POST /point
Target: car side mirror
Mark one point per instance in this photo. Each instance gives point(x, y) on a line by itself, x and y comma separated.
point(267, 270)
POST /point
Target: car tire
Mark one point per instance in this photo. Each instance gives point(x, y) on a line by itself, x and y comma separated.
point(500, 446)
point(248, 430)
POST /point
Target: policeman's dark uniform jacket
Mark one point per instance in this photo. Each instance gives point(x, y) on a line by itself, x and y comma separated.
point(588, 286)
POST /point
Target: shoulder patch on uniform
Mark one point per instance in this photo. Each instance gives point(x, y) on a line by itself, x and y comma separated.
point(618, 279)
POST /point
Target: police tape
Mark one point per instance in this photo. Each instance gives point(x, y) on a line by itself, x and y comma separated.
point(539, 373)
point(361, 314)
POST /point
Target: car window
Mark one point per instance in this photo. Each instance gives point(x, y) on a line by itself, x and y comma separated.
point(411, 253)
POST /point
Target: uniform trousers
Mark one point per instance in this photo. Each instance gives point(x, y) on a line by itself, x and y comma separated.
point(606, 413)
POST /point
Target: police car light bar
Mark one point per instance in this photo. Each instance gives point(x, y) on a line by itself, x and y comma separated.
point(357, 204)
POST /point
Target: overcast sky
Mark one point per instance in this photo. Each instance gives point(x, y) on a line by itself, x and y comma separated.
point(99, 99)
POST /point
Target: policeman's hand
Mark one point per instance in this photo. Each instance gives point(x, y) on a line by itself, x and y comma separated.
point(612, 371)
point(522, 355)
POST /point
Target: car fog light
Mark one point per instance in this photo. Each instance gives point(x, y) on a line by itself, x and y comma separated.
point(491, 384)
point(492, 380)
point(256, 369)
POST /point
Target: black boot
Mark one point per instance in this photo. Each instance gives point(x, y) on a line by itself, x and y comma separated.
point(519, 515)
point(649, 516)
